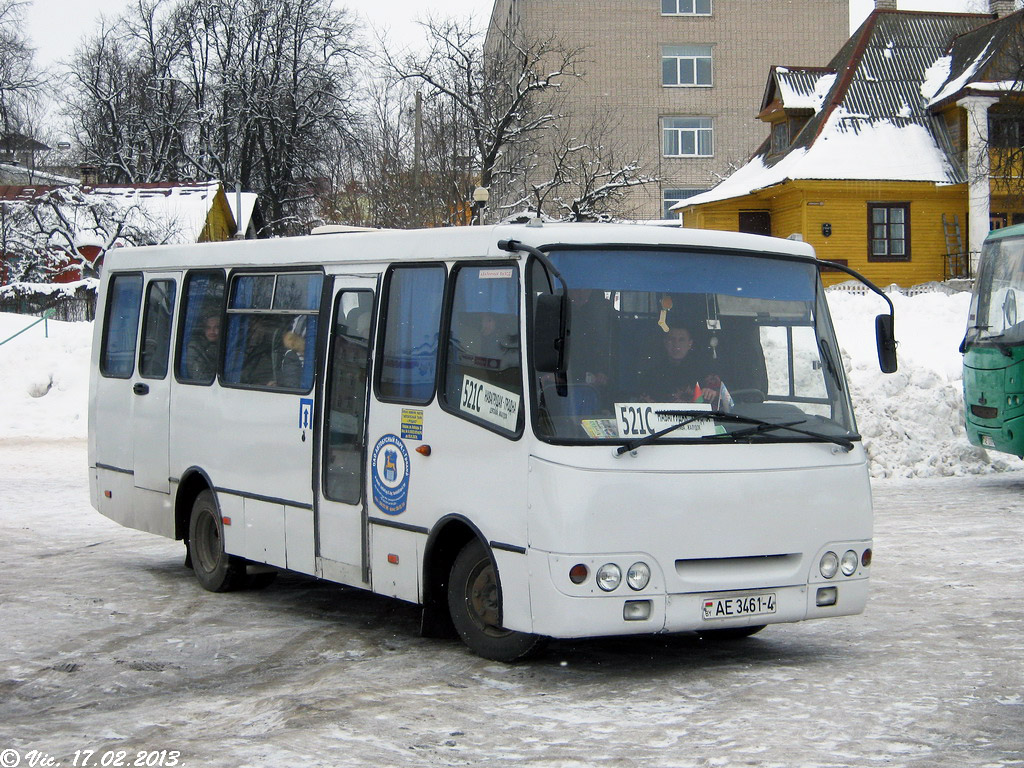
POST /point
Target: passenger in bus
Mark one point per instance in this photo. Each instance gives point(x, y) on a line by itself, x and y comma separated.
point(292, 361)
point(679, 375)
point(258, 365)
point(203, 350)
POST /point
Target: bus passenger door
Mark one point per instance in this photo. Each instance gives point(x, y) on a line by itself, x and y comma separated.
point(151, 385)
point(341, 517)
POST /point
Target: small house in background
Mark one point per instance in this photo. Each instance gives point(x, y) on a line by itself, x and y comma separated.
point(873, 158)
point(85, 221)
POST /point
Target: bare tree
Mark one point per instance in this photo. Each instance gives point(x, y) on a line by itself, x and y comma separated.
point(20, 80)
point(580, 173)
point(40, 237)
point(258, 92)
point(482, 106)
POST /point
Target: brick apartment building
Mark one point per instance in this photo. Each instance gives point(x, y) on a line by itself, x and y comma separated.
point(680, 78)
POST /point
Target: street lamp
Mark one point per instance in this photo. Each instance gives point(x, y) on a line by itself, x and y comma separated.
point(480, 197)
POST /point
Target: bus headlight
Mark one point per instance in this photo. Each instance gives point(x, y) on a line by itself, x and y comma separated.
point(829, 565)
point(609, 576)
point(849, 563)
point(638, 576)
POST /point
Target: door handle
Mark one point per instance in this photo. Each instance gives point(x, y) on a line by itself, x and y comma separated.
point(141, 389)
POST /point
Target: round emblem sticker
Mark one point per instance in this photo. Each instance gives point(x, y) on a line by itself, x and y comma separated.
point(389, 466)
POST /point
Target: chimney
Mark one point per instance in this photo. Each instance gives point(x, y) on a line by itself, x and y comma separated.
point(890, 5)
point(1001, 8)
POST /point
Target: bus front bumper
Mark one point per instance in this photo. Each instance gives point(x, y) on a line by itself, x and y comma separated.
point(619, 613)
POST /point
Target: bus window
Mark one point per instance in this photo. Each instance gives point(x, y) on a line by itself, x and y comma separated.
point(411, 327)
point(272, 321)
point(156, 329)
point(346, 396)
point(199, 348)
point(483, 372)
point(121, 327)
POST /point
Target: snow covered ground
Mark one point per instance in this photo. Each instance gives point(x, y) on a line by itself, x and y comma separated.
point(109, 643)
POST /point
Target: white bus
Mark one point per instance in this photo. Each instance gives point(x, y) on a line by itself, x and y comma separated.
point(531, 431)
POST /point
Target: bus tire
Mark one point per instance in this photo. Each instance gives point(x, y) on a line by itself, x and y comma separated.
point(216, 570)
point(474, 604)
point(732, 633)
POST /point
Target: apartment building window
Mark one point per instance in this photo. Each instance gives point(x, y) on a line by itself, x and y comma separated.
point(687, 137)
point(670, 197)
point(685, 7)
point(888, 231)
point(686, 65)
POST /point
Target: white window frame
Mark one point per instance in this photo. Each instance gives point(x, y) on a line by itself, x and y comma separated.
point(681, 193)
point(687, 66)
point(686, 7)
point(698, 127)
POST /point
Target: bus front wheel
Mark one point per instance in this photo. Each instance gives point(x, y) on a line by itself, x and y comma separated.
point(216, 570)
point(474, 601)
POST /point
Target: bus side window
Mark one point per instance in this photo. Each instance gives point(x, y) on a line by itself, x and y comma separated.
point(156, 329)
point(199, 334)
point(412, 321)
point(483, 369)
point(272, 322)
point(121, 326)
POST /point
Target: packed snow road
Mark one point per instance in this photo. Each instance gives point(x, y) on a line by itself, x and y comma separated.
point(109, 645)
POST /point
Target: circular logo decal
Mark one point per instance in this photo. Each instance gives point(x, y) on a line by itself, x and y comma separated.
point(390, 469)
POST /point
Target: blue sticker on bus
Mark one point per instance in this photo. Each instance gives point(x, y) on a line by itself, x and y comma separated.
point(389, 469)
point(306, 413)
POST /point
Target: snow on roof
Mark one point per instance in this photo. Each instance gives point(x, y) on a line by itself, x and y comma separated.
point(873, 123)
point(180, 211)
point(43, 177)
point(951, 86)
point(803, 88)
point(849, 147)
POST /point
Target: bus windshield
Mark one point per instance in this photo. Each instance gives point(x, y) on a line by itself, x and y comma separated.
point(997, 308)
point(657, 333)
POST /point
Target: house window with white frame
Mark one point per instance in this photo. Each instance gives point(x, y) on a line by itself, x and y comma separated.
point(687, 137)
point(670, 197)
point(685, 7)
point(686, 65)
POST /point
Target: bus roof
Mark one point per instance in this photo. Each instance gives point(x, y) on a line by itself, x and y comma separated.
point(440, 244)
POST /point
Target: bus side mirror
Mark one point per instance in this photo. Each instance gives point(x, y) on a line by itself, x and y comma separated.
point(547, 326)
point(886, 342)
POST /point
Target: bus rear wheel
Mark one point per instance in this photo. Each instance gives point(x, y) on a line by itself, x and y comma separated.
point(215, 569)
point(474, 601)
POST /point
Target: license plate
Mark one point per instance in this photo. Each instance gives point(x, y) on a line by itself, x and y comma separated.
point(740, 605)
point(987, 441)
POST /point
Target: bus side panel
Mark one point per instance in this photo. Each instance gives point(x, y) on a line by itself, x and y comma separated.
point(115, 496)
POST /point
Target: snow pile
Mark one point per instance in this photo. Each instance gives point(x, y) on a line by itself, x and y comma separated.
point(44, 377)
point(912, 421)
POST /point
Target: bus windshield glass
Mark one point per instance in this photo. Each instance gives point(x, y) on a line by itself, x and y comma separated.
point(655, 334)
point(997, 308)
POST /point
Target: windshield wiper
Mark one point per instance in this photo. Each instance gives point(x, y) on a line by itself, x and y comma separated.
point(759, 426)
point(632, 445)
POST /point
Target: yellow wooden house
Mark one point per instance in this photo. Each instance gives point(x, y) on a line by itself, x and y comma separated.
point(874, 160)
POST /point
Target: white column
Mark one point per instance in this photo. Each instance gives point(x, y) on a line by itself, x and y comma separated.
point(978, 190)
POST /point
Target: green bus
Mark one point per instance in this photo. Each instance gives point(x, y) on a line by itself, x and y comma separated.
point(993, 346)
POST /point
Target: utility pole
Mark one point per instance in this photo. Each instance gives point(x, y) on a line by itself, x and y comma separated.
point(417, 140)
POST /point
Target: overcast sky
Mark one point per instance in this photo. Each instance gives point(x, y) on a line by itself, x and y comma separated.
point(56, 26)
